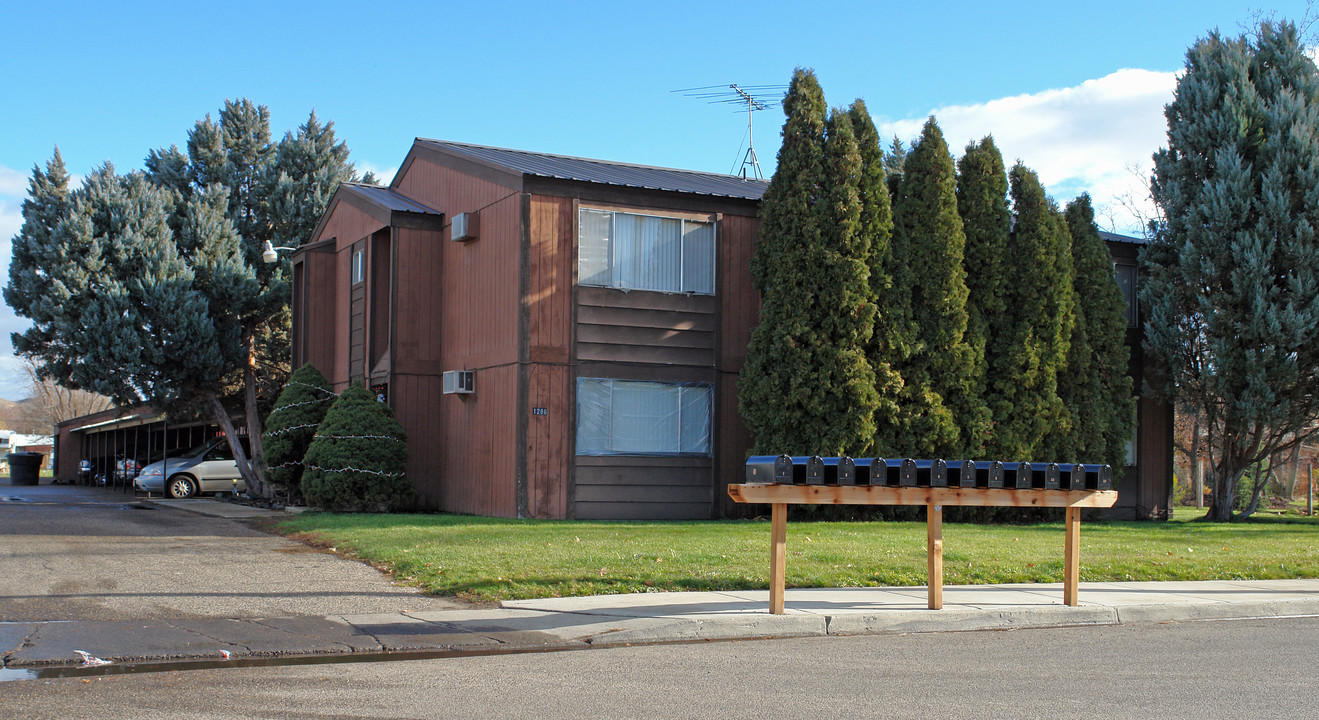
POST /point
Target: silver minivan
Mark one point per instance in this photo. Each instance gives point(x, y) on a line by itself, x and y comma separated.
point(207, 468)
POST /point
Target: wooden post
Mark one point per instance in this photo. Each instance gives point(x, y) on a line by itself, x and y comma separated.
point(1309, 484)
point(778, 556)
point(1072, 557)
point(934, 549)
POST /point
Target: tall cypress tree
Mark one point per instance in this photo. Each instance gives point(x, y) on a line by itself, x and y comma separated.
point(876, 230)
point(1039, 316)
point(943, 415)
point(807, 386)
point(982, 201)
point(1094, 386)
point(36, 289)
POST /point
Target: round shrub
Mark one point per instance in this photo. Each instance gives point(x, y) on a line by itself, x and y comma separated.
point(357, 461)
point(290, 427)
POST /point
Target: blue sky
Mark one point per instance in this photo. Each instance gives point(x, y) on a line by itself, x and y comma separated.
point(1073, 90)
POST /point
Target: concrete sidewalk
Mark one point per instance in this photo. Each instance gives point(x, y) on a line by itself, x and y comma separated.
point(611, 620)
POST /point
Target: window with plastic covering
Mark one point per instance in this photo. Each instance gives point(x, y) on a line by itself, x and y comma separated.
point(627, 417)
point(629, 251)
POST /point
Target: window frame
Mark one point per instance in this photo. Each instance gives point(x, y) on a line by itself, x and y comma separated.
point(611, 255)
point(612, 433)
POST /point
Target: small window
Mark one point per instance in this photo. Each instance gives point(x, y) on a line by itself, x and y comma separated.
point(645, 252)
point(624, 417)
point(1126, 282)
point(359, 266)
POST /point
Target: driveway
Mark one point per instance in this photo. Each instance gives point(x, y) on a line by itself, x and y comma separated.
point(77, 553)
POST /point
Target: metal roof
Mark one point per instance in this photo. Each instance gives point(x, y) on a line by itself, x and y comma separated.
point(1114, 237)
point(388, 199)
point(606, 172)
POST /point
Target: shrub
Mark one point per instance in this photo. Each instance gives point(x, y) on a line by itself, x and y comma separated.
point(357, 461)
point(300, 408)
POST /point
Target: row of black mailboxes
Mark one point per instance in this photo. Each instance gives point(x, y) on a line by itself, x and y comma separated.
point(816, 470)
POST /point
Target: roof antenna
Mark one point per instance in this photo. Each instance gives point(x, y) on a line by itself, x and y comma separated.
point(753, 97)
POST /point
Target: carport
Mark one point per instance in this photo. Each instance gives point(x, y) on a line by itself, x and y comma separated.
point(118, 438)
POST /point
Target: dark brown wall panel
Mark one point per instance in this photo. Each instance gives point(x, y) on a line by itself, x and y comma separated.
point(626, 488)
point(416, 399)
point(645, 327)
point(549, 457)
point(739, 303)
point(550, 251)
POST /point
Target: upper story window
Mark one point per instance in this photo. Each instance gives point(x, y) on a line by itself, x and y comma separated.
point(359, 266)
point(645, 252)
point(1126, 282)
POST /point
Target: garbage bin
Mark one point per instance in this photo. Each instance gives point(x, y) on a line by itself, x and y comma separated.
point(24, 467)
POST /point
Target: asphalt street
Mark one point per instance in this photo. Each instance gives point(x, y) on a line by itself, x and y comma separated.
point(1221, 669)
point(92, 554)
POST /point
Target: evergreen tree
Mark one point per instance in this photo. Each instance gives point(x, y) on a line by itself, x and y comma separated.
point(807, 386)
point(876, 231)
point(982, 201)
point(1094, 386)
point(1024, 365)
point(358, 460)
point(1232, 295)
point(37, 289)
point(943, 416)
point(215, 206)
point(291, 426)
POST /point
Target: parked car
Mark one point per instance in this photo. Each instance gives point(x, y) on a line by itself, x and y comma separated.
point(207, 468)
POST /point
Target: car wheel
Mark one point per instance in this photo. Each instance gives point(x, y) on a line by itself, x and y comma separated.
point(181, 486)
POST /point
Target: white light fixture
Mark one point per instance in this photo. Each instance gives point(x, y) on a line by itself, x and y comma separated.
point(268, 252)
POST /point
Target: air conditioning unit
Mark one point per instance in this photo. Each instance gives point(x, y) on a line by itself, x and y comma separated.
point(464, 227)
point(459, 382)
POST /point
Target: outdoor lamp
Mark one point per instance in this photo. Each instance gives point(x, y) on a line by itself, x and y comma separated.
point(268, 252)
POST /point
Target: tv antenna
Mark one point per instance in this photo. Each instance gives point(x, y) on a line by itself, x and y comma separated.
point(753, 98)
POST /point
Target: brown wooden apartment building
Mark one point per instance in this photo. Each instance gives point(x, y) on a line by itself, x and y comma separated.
point(598, 312)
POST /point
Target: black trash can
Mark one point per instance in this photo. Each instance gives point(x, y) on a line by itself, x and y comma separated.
point(25, 467)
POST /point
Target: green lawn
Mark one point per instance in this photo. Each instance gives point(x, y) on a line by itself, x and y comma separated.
point(487, 560)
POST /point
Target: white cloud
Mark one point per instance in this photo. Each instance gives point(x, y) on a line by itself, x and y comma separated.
point(383, 175)
point(1087, 138)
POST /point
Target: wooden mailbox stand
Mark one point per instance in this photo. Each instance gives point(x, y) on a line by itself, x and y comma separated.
point(933, 498)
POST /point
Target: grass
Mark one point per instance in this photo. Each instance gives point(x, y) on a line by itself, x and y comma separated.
point(486, 560)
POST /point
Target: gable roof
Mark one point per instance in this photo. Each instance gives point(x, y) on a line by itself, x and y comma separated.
point(604, 172)
point(1114, 237)
point(386, 199)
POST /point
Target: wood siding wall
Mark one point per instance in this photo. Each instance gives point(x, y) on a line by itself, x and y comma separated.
point(457, 308)
point(656, 337)
point(739, 311)
point(546, 374)
point(327, 289)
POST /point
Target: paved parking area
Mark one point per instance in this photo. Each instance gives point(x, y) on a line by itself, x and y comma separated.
point(94, 554)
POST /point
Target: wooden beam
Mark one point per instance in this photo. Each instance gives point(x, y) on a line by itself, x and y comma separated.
point(1072, 557)
point(778, 556)
point(934, 551)
point(884, 495)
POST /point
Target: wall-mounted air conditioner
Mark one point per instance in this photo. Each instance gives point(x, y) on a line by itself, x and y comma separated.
point(459, 382)
point(464, 227)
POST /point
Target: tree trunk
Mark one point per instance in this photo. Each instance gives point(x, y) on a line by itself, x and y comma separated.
point(255, 485)
point(254, 428)
point(1225, 487)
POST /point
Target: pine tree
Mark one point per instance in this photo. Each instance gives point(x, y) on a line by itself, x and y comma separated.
point(215, 206)
point(1039, 320)
point(37, 289)
point(1232, 291)
point(357, 462)
point(876, 230)
point(943, 416)
point(292, 424)
point(982, 201)
point(1094, 386)
point(807, 386)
